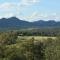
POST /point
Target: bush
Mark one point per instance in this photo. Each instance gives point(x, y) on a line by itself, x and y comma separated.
point(8, 38)
point(52, 50)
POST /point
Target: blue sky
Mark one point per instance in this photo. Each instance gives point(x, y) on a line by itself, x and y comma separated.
point(30, 10)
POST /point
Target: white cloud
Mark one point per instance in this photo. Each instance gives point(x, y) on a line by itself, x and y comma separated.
point(8, 5)
point(33, 16)
point(5, 6)
point(40, 16)
point(7, 15)
point(29, 2)
point(8, 9)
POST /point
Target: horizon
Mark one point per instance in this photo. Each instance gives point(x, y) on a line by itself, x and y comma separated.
point(28, 20)
point(30, 10)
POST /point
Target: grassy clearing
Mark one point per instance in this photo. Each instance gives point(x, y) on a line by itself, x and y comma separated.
point(36, 38)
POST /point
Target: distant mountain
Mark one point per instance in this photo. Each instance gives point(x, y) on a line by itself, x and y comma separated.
point(49, 23)
point(15, 22)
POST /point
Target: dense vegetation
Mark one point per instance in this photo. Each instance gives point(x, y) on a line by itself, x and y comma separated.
point(39, 32)
point(14, 48)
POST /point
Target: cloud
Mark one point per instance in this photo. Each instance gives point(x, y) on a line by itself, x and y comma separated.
point(29, 2)
point(15, 8)
point(7, 15)
point(9, 9)
point(43, 16)
point(6, 6)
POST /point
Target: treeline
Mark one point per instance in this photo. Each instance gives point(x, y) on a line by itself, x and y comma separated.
point(39, 32)
point(36, 31)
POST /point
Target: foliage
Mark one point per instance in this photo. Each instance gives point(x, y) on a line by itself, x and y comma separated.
point(12, 48)
point(52, 50)
point(8, 38)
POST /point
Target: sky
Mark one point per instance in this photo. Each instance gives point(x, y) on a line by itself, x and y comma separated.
point(30, 10)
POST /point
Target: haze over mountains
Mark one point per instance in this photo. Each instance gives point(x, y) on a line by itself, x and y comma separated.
point(15, 22)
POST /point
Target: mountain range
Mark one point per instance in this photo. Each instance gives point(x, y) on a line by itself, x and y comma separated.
point(15, 22)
